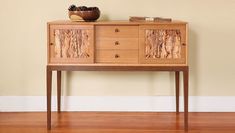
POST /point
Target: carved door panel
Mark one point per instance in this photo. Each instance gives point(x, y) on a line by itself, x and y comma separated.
point(71, 44)
point(163, 44)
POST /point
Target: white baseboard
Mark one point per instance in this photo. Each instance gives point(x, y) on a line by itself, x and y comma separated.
point(118, 103)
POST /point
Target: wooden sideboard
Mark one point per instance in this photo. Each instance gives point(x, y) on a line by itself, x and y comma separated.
point(117, 46)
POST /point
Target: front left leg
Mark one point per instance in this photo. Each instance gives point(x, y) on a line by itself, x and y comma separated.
point(177, 86)
point(49, 80)
point(58, 91)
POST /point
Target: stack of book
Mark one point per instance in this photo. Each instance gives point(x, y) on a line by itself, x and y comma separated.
point(151, 19)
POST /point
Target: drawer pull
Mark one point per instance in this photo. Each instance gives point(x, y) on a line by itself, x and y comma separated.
point(117, 43)
point(117, 30)
point(184, 44)
point(51, 43)
point(117, 56)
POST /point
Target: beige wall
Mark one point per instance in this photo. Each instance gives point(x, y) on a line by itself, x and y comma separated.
point(211, 37)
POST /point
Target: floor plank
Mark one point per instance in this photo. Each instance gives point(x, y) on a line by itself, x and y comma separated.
point(116, 122)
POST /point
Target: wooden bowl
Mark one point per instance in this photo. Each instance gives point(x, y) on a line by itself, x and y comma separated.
point(75, 16)
point(88, 16)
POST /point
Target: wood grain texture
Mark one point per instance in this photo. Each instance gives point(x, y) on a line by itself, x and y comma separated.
point(162, 44)
point(116, 122)
point(71, 43)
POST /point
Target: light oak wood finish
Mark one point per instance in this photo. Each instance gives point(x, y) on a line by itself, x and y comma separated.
point(123, 47)
point(117, 31)
point(117, 46)
point(116, 122)
point(117, 43)
point(119, 35)
point(117, 56)
point(115, 22)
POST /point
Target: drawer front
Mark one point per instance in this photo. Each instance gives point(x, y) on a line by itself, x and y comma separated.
point(116, 56)
point(117, 43)
point(117, 31)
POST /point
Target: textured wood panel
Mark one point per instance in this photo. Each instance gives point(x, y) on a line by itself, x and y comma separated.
point(72, 43)
point(164, 44)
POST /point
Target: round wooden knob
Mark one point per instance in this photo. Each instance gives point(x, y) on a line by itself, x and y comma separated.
point(117, 56)
point(184, 44)
point(117, 30)
point(51, 43)
point(117, 43)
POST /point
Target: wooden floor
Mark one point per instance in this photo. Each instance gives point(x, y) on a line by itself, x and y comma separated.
point(116, 122)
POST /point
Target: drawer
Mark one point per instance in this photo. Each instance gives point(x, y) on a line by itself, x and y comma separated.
point(116, 56)
point(117, 43)
point(117, 31)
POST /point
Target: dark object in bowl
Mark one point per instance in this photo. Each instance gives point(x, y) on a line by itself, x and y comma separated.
point(72, 8)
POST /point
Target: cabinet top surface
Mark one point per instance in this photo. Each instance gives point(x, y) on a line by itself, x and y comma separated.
point(114, 22)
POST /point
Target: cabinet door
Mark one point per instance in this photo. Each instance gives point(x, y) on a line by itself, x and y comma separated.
point(163, 44)
point(71, 44)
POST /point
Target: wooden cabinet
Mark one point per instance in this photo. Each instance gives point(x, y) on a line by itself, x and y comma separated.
point(118, 42)
point(71, 44)
point(117, 46)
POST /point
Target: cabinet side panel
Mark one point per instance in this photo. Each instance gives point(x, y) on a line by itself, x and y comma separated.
point(186, 43)
point(48, 43)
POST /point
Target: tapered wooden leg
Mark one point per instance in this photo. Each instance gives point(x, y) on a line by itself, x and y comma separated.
point(186, 73)
point(58, 91)
point(49, 79)
point(177, 91)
